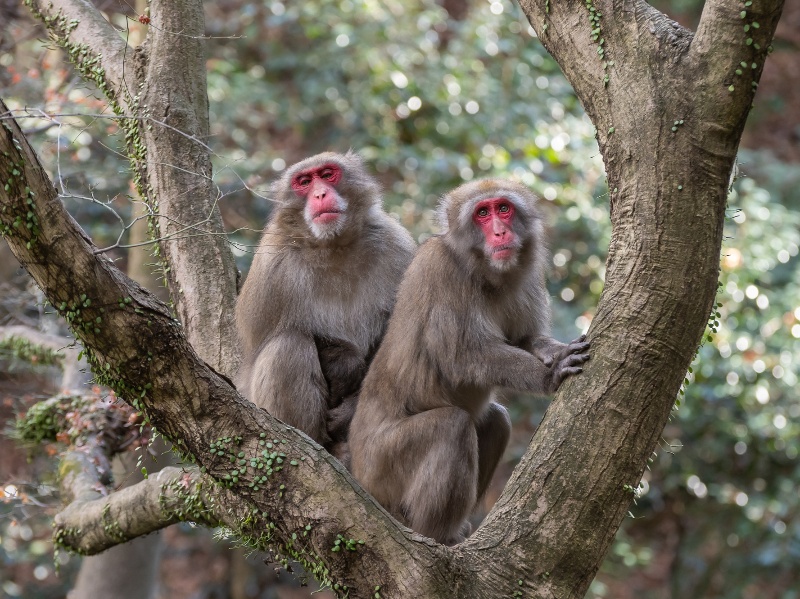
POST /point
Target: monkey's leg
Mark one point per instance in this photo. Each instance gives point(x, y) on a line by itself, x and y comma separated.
point(338, 420)
point(442, 446)
point(493, 429)
point(287, 381)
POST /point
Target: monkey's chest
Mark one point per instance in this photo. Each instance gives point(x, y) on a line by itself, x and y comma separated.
point(512, 321)
point(352, 311)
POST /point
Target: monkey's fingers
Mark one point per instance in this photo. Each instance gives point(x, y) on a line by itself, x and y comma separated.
point(569, 357)
point(576, 358)
point(562, 373)
point(579, 345)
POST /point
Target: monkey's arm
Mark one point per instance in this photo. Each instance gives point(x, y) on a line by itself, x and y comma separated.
point(287, 381)
point(467, 354)
point(470, 354)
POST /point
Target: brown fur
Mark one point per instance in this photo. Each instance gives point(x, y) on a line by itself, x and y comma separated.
point(427, 435)
point(313, 310)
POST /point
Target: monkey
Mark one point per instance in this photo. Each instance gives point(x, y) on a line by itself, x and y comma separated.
point(318, 295)
point(472, 315)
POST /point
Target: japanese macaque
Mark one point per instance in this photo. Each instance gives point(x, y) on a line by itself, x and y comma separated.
point(472, 314)
point(318, 297)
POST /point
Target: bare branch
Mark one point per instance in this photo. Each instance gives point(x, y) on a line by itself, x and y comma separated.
point(94, 522)
point(93, 45)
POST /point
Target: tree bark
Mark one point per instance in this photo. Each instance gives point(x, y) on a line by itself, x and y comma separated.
point(159, 92)
point(669, 107)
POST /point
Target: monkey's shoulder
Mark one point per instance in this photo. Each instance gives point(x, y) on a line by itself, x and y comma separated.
point(434, 257)
point(385, 233)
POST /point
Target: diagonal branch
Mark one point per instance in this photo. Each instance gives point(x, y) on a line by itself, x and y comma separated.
point(732, 43)
point(93, 45)
point(94, 522)
point(572, 32)
point(282, 483)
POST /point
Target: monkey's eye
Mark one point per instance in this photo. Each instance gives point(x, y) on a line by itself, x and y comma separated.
point(483, 212)
point(504, 208)
point(327, 174)
point(304, 180)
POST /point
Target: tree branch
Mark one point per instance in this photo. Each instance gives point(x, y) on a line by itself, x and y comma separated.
point(94, 521)
point(567, 31)
point(71, 366)
point(303, 496)
point(179, 188)
point(668, 136)
point(732, 43)
point(93, 45)
point(165, 83)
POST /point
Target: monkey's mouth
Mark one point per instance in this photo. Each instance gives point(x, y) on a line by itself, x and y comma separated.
point(503, 252)
point(326, 217)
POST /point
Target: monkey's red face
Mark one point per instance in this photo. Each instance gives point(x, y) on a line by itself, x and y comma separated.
point(494, 217)
point(325, 207)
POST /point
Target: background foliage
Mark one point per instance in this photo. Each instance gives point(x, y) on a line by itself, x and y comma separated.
point(433, 98)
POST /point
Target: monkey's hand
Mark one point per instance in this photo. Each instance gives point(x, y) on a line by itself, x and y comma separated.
point(549, 350)
point(342, 367)
point(339, 418)
point(568, 361)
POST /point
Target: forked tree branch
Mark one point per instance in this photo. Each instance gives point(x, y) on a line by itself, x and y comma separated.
point(159, 90)
point(299, 497)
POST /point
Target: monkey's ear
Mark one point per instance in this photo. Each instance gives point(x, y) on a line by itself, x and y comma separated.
point(278, 188)
point(354, 156)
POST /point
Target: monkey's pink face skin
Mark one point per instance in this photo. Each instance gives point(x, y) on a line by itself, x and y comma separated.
point(318, 187)
point(493, 217)
point(325, 208)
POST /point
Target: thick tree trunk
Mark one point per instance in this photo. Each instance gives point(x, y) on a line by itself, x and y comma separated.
point(128, 571)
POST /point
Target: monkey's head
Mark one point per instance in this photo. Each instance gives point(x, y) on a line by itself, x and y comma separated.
point(494, 220)
point(331, 193)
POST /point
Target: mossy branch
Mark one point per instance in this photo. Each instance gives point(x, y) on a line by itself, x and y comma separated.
point(93, 45)
point(307, 495)
point(94, 520)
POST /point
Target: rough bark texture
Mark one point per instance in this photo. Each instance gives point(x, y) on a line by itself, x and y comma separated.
point(669, 106)
point(668, 126)
point(159, 90)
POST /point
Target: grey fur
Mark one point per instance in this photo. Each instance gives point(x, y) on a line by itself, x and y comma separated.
point(313, 310)
point(427, 435)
